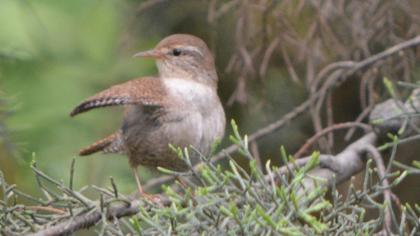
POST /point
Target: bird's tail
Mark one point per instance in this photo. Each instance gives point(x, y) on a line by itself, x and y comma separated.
point(111, 144)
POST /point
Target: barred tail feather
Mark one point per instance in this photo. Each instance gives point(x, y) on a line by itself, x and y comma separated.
point(105, 145)
point(100, 102)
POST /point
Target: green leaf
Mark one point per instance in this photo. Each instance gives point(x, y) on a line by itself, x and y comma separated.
point(389, 86)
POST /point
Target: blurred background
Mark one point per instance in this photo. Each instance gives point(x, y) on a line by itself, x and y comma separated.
point(54, 54)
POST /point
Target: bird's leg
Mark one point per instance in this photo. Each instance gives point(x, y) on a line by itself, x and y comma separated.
point(140, 188)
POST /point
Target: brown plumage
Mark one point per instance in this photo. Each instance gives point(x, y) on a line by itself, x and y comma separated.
point(110, 144)
point(178, 107)
point(144, 91)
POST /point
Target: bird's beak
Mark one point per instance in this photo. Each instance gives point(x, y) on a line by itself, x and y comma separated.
point(149, 54)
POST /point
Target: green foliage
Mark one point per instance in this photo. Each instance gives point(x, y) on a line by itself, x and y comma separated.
point(215, 200)
point(389, 87)
point(236, 202)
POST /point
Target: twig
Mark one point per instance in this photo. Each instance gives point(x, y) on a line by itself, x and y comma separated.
point(256, 154)
point(46, 208)
point(327, 130)
point(267, 56)
point(359, 119)
point(376, 156)
point(73, 161)
point(87, 220)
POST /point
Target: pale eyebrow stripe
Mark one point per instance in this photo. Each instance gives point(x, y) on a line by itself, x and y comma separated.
point(190, 48)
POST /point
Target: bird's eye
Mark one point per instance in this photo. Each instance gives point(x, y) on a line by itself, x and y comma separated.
point(176, 52)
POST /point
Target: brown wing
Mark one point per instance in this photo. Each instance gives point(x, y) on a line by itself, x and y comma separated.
point(148, 91)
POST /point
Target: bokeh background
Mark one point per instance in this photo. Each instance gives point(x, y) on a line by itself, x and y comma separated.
point(53, 54)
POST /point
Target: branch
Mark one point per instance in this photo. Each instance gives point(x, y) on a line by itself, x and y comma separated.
point(327, 130)
point(89, 219)
point(341, 167)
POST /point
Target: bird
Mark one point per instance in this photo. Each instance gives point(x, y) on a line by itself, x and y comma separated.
point(179, 107)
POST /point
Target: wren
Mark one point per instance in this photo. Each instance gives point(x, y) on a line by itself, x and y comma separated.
point(178, 107)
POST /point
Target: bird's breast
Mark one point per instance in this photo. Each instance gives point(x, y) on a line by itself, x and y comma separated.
point(191, 94)
point(204, 114)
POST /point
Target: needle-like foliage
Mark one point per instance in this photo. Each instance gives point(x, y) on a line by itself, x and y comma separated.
point(213, 200)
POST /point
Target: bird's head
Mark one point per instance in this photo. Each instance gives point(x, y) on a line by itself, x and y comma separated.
point(183, 56)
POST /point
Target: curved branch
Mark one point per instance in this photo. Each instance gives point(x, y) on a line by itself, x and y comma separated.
point(334, 169)
point(327, 130)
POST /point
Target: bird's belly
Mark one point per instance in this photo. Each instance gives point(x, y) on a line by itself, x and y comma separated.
point(148, 142)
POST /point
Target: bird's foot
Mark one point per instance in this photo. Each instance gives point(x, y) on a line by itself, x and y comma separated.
point(155, 198)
